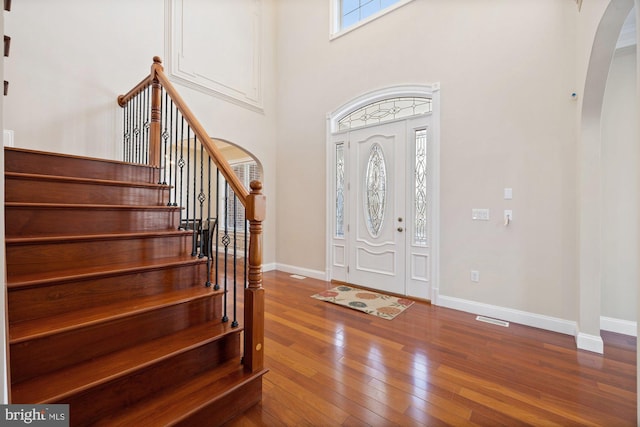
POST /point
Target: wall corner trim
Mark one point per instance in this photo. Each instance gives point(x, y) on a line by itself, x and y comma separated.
point(589, 342)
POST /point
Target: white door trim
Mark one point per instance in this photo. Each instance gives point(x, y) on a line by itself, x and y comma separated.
point(429, 91)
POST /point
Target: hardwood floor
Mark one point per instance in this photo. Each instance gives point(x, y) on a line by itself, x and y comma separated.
point(331, 366)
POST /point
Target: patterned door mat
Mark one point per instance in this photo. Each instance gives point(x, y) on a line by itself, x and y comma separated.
point(369, 302)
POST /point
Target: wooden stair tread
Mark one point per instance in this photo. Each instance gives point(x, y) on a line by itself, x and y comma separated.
point(53, 155)
point(39, 328)
point(90, 206)
point(174, 405)
point(73, 179)
point(32, 280)
point(84, 237)
point(55, 387)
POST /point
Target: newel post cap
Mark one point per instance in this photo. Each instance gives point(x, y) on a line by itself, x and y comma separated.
point(257, 202)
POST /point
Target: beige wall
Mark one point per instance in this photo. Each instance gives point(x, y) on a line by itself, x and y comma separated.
point(507, 70)
point(620, 157)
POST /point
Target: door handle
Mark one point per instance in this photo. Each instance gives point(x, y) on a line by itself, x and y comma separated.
point(400, 229)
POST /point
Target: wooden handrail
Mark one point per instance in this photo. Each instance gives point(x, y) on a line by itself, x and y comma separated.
point(123, 99)
point(157, 74)
point(254, 203)
point(237, 186)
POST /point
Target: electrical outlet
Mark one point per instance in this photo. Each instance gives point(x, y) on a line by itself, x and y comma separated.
point(475, 276)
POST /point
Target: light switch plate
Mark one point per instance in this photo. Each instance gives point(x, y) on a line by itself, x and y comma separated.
point(480, 214)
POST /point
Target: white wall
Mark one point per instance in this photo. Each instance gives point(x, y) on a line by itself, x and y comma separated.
point(71, 59)
point(620, 154)
point(507, 70)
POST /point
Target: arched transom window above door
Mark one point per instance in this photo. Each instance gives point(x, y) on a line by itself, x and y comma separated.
point(385, 110)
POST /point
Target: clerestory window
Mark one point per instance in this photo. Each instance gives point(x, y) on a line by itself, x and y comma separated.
point(349, 14)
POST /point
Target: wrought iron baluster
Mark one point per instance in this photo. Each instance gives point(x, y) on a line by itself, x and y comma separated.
point(130, 129)
point(217, 257)
point(197, 222)
point(125, 130)
point(201, 199)
point(246, 247)
point(172, 142)
point(186, 182)
point(146, 125)
point(235, 262)
point(175, 168)
point(225, 241)
point(210, 230)
point(181, 164)
point(139, 123)
point(136, 130)
point(165, 137)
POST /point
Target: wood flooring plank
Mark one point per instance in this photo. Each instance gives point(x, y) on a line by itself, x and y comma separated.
point(430, 366)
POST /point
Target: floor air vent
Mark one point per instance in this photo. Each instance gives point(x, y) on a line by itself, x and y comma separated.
point(297, 276)
point(492, 321)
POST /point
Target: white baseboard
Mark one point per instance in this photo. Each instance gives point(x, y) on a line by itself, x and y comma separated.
point(301, 271)
point(7, 136)
point(269, 267)
point(625, 327)
point(589, 342)
point(511, 315)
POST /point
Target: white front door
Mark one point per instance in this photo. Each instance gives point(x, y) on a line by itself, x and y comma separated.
point(384, 238)
point(377, 207)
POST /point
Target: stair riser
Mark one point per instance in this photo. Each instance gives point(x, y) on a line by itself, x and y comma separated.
point(44, 191)
point(72, 347)
point(222, 410)
point(110, 398)
point(46, 221)
point(54, 257)
point(61, 165)
point(57, 298)
point(63, 263)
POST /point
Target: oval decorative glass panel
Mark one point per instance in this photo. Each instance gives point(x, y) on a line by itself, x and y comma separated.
point(376, 190)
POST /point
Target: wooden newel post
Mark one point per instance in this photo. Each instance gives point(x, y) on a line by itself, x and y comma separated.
point(254, 293)
point(156, 113)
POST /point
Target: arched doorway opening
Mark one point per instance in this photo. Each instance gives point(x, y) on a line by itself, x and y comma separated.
point(590, 176)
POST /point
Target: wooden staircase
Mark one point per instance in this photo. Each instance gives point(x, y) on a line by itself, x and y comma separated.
point(108, 310)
